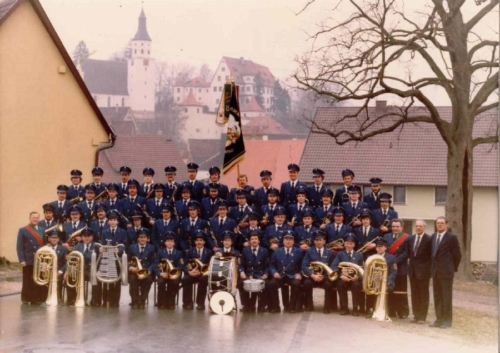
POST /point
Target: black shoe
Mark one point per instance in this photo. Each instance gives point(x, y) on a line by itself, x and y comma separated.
point(309, 308)
point(262, 310)
point(369, 313)
point(344, 312)
point(200, 307)
point(445, 325)
point(142, 306)
point(355, 313)
point(403, 317)
point(171, 307)
point(188, 307)
point(135, 306)
point(326, 311)
point(291, 311)
point(435, 324)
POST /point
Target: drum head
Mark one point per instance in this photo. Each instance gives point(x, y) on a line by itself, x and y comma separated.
point(222, 303)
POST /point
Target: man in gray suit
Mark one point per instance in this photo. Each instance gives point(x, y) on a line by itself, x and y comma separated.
point(446, 257)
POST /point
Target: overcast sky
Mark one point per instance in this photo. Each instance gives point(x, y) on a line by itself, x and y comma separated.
point(195, 31)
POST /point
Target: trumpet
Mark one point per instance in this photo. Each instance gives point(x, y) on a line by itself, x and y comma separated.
point(336, 244)
point(350, 270)
point(354, 219)
point(319, 268)
point(45, 272)
point(364, 248)
point(76, 200)
point(196, 263)
point(141, 272)
point(74, 276)
point(103, 196)
point(57, 226)
point(166, 266)
point(327, 219)
point(72, 241)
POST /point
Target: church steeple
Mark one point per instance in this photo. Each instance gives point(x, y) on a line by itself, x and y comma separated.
point(142, 31)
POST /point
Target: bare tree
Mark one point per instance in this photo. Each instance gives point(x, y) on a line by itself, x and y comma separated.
point(206, 73)
point(364, 57)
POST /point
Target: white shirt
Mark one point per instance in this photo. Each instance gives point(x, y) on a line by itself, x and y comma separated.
point(417, 237)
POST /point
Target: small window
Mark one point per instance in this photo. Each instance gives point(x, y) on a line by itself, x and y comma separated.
point(185, 110)
point(223, 69)
point(145, 82)
point(197, 110)
point(148, 52)
point(186, 90)
point(227, 77)
point(215, 89)
point(123, 102)
point(248, 88)
point(440, 195)
point(220, 88)
point(146, 62)
point(109, 101)
point(178, 90)
point(197, 130)
point(199, 90)
point(399, 194)
point(142, 51)
point(132, 63)
point(135, 51)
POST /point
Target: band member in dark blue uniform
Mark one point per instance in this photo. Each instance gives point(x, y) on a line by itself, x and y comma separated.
point(288, 188)
point(163, 226)
point(123, 184)
point(215, 179)
point(383, 216)
point(315, 191)
point(142, 253)
point(373, 198)
point(341, 194)
point(261, 193)
point(197, 186)
point(75, 189)
point(172, 188)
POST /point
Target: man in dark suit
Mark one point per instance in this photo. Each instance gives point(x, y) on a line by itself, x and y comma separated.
point(172, 187)
point(366, 233)
point(341, 194)
point(261, 193)
point(146, 188)
point(372, 199)
point(295, 210)
point(182, 205)
point(141, 253)
point(354, 282)
point(215, 179)
point(101, 222)
point(446, 257)
point(75, 189)
point(193, 274)
point(303, 233)
point(162, 226)
point(315, 191)
point(227, 244)
point(61, 205)
point(74, 224)
point(48, 220)
point(218, 225)
point(88, 204)
point(318, 253)
point(284, 269)
point(353, 207)
point(287, 190)
point(123, 184)
point(29, 240)
point(62, 252)
point(254, 263)
point(419, 251)
point(267, 210)
point(97, 173)
point(154, 205)
point(337, 229)
point(324, 212)
point(273, 235)
point(242, 185)
point(197, 186)
point(131, 203)
point(383, 216)
point(190, 226)
point(210, 204)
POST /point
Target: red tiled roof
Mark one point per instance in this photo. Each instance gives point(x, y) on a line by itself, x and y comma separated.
point(252, 106)
point(273, 155)
point(264, 125)
point(413, 155)
point(138, 152)
point(190, 100)
point(193, 82)
point(241, 67)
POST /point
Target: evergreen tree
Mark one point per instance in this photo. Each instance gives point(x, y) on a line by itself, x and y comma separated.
point(81, 52)
point(259, 88)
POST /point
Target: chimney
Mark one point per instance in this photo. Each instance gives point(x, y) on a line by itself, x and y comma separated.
point(380, 107)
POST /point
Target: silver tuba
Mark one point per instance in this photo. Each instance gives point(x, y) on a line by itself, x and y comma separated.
point(375, 283)
point(45, 272)
point(108, 267)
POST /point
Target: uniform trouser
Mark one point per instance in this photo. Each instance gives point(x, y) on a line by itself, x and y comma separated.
point(30, 291)
point(139, 288)
point(44, 290)
point(110, 292)
point(443, 298)
point(167, 290)
point(343, 287)
point(398, 303)
point(248, 300)
point(309, 284)
point(419, 297)
point(187, 289)
point(275, 284)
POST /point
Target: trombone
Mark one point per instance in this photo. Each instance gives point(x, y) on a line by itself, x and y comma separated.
point(76, 200)
point(364, 248)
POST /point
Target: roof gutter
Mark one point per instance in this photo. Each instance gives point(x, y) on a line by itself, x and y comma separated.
point(104, 146)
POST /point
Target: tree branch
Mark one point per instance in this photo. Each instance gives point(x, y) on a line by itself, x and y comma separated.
point(483, 12)
point(482, 140)
point(485, 108)
point(484, 92)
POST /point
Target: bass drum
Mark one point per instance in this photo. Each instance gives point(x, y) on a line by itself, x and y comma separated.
point(222, 303)
point(222, 275)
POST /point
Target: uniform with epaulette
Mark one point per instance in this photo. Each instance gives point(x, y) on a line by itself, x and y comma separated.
point(48, 221)
point(193, 275)
point(182, 205)
point(240, 211)
point(295, 210)
point(303, 234)
point(87, 205)
point(172, 188)
point(61, 205)
point(383, 216)
point(100, 187)
point(74, 224)
point(190, 225)
point(284, 268)
point(142, 253)
point(155, 204)
point(267, 210)
point(273, 235)
point(217, 226)
point(131, 203)
point(87, 248)
point(315, 191)
point(353, 282)
point(373, 198)
point(168, 285)
point(353, 207)
point(132, 232)
point(324, 212)
point(164, 225)
point(337, 229)
point(342, 193)
point(254, 264)
point(260, 197)
point(123, 184)
point(366, 233)
point(318, 253)
point(210, 204)
point(101, 222)
point(197, 186)
point(75, 189)
point(146, 189)
point(242, 235)
point(287, 189)
point(215, 179)
point(114, 202)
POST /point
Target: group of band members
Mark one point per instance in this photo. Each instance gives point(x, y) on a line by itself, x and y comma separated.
point(276, 234)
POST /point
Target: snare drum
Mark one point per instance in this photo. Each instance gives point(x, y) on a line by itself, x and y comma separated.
point(253, 285)
point(222, 275)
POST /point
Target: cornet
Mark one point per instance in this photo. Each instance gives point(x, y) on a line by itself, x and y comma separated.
point(76, 200)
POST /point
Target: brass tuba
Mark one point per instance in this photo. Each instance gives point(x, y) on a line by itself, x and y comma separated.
point(45, 272)
point(320, 268)
point(350, 270)
point(166, 266)
point(74, 276)
point(196, 263)
point(335, 244)
point(141, 272)
point(375, 283)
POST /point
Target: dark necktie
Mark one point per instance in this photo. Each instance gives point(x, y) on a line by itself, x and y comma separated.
point(241, 211)
point(199, 253)
point(338, 230)
point(326, 209)
point(165, 224)
point(124, 186)
point(350, 255)
point(112, 203)
point(375, 197)
point(48, 224)
point(300, 208)
point(90, 205)
point(319, 252)
point(101, 226)
point(293, 185)
point(169, 253)
point(385, 212)
point(354, 205)
point(60, 204)
point(142, 250)
point(417, 244)
point(271, 208)
point(254, 250)
point(157, 203)
point(287, 252)
point(132, 200)
point(221, 223)
point(317, 189)
point(74, 226)
point(394, 236)
point(185, 203)
point(146, 189)
point(365, 231)
point(192, 223)
point(307, 229)
point(112, 233)
point(86, 252)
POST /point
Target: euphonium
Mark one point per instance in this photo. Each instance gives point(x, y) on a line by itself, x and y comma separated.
point(375, 283)
point(320, 268)
point(196, 263)
point(335, 244)
point(350, 270)
point(45, 272)
point(141, 272)
point(166, 266)
point(74, 276)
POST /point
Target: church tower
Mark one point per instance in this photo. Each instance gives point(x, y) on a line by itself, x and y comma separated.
point(141, 72)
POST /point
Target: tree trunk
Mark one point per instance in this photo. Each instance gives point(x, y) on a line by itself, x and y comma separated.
point(459, 198)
